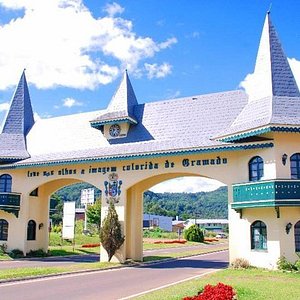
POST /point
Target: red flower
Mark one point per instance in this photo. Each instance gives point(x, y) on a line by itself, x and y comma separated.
point(219, 292)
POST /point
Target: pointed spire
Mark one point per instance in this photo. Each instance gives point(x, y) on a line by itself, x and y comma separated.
point(18, 122)
point(124, 99)
point(121, 106)
point(19, 118)
point(272, 75)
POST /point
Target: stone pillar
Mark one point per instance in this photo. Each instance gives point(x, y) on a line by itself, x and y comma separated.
point(134, 224)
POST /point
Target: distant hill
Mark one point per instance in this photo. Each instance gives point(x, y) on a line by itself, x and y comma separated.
point(206, 205)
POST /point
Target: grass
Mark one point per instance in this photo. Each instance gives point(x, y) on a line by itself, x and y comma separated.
point(250, 284)
point(42, 271)
point(185, 253)
point(152, 246)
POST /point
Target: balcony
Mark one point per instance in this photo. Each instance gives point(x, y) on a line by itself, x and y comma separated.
point(271, 193)
point(10, 202)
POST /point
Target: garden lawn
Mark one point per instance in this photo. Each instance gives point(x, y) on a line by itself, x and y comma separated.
point(42, 271)
point(251, 284)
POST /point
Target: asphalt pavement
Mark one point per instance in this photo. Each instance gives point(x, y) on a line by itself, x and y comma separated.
point(123, 283)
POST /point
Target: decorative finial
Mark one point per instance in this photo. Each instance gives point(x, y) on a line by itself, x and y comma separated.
point(269, 10)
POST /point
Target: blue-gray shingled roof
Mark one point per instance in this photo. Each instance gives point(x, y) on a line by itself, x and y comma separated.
point(274, 98)
point(164, 126)
point(121, 105)
point(17, 124)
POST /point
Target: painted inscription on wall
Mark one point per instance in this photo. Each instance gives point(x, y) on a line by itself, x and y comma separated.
point(147, 165)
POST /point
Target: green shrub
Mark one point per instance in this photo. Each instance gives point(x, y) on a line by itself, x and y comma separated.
point(3, 248)
point(16, 253)
point(57, 228)
point(297, 265)
point(210, 234)
point(284, 264)
point(36, 253)
point(240, 263)
point(193, 234)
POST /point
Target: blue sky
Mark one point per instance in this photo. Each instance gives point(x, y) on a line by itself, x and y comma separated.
point(75, 51)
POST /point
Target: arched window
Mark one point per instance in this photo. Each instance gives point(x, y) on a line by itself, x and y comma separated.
point(31, 230)
point(297, 236)
point(258, 236)
point(5, 183)
point(3, 230)
point(256, 168)
point(295, 166)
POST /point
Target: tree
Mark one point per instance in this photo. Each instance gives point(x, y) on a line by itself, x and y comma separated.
point(93, 213)
point(194, 234)
point(56, 209)
point(110, 234)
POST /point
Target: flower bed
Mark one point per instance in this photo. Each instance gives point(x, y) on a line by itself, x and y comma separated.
point(220, 291)
point(170, 242)
point(90, 245)
point(211, 240)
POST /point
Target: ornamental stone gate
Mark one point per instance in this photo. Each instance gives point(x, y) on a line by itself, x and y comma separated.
point(248, 141)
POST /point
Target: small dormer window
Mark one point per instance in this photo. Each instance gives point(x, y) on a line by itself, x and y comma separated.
point(114, 130)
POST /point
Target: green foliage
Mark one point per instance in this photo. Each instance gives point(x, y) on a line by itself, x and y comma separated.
point(79, 226)
point(16, 253)
point(73, 192)
point(284, 264)
point(56, 209)
point(93, 214)
point(110, 234)
point(36, 253)
point(211, 205)
point(297, 265)
point(57, 228)
point(194, 234)
point(159, 233)
point(3, 249)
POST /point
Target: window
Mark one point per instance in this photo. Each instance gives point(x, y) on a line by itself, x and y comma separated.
point(258, 236)
point(295, 166)
point(5, 183)
point(3, 230)
point(31, 230)
point(297, 236)
point(256, 168)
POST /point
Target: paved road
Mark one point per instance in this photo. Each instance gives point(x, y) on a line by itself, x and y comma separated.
point(77, 259)
point(114, 284)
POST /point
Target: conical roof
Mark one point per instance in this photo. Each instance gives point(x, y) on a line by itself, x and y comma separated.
point(273, 93)
point(121, 106)
point(17, 124)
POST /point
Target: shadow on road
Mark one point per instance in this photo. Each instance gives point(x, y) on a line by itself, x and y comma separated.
point(188, 263)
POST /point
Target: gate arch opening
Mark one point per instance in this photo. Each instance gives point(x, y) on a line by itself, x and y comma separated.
point(135, 209)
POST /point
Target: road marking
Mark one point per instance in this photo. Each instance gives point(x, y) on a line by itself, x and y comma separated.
point(168, 285)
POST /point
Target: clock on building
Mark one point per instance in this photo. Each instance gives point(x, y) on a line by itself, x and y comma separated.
point(114, 130)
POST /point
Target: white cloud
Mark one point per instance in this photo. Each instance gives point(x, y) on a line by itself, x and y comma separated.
point(64, 45)
point(250, 85)
point(36, 116)
point(295, 66)
point(113, 8)
point(187, 185)
point(168, 43)
point(4, 106)
point(158, 71)
point(70, 102)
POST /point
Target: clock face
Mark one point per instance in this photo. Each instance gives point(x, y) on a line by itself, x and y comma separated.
point(114, 130)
